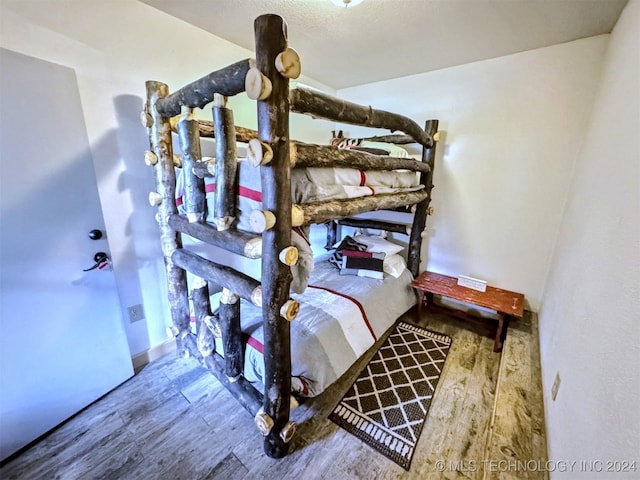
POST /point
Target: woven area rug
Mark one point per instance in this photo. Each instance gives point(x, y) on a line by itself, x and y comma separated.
point(387, 405)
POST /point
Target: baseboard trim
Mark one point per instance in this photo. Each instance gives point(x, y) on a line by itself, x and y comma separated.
point(144, 358)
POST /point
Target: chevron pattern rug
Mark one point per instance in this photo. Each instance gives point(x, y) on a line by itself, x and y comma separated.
point(387, 405)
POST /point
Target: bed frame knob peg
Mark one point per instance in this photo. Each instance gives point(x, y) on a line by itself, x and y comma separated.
point(297, 215)
point(155, 199)
point(160, 219)
point(264, 422)
point(256, 296)
point(195, 217)
point(145, 119)
point(290, 310)
point(430, 210)
point(228, 297)
point(198, 282)
point(288, 63)
point(150, 158)
point(253, 248)
point(289, 256)
point(262, 220)
point(257, 86)
point(288, 431)
point(219, 100)
point(259, 153)
point(186, 113)
point(177, 160)
point(172, 332)
point(211, 165)
point(436, 137)
point(223, 223)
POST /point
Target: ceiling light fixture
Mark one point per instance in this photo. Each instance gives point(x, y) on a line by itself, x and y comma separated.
point(346, 3)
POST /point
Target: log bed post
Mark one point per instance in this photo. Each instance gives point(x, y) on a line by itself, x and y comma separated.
point(273, 129)
point(420, 215)
point(202, 310)
point(194, 195)
point(332, 233)
point(160, 144)
point(229, 312)
point(226, 164)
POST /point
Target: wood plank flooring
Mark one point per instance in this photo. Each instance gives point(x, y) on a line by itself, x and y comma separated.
point(517, 429)
point(173, 420)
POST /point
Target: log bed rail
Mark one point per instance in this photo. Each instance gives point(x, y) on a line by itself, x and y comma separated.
point(266, 80)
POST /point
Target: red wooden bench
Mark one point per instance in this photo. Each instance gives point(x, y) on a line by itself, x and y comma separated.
point(504, 302)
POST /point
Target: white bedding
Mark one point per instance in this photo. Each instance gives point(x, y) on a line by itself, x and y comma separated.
point(308, 185)
point(332, 330)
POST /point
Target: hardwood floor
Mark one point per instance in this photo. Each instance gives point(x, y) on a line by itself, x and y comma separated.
point(173, 420)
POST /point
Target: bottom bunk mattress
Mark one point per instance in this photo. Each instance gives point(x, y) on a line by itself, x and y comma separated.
point(340, 318)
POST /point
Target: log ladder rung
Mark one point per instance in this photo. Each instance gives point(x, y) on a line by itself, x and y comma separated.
point(321, 212)
point(239, 283)
point(228, 81)
point(232, 240)
point(318, 104)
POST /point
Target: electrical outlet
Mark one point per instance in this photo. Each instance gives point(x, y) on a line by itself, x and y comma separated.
point(555, 386)
point(136, 312)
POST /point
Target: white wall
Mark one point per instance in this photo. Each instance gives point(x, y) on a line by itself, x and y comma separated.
point(115, 46)
point(589, 318)
point(513, 126)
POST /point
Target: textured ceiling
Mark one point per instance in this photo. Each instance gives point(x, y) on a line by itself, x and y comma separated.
point(382, 39)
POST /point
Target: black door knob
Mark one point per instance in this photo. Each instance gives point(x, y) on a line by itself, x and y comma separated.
point(100, 257)
point(95, 234)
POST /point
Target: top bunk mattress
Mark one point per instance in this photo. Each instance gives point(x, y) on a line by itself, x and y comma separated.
point(308, 185)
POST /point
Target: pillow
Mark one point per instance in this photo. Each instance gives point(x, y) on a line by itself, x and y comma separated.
point(394, 150)
point(347, 243)
point(362, 264)
point(342, 142)
point(394, 265)
point(371, 150)
point(389, 148)
point(376, 243)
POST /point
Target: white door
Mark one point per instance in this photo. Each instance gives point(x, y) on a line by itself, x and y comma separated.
point(62, 342)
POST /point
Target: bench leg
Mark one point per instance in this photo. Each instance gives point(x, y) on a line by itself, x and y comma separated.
point(429, 302)
point(501, 332)
point(420, 294)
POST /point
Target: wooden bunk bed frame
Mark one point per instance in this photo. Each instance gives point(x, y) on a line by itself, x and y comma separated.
point(266, 80)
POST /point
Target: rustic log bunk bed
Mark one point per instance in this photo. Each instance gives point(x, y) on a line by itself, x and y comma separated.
point(217, 218)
